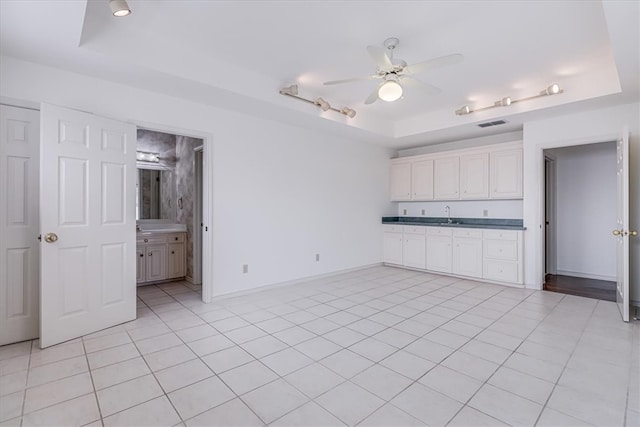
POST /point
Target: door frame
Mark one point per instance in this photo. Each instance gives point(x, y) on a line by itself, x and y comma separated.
point(207, 197)
point(538, 231)
point(197, 215)
point(551, 237)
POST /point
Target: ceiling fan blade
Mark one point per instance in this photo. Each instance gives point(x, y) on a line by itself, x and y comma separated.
point(441, 61)
point(373, 97)
point(425, 87)
point(354, 79)
point(379, 56)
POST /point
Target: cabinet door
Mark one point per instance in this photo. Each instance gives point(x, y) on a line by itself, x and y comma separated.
point(439, 253)
point(446, 178)
point(176, 260)
point(467, 257)
point(141, 270)
point(392, 248)
point(400, 181)
point(506, 174)
point(422, 180)
point(156, 262)
point(414, 254)
point(474, 176)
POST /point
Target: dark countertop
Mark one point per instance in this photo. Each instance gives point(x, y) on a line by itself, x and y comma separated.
point(489, 223)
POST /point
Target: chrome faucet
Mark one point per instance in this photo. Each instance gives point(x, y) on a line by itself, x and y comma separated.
point(448, 209)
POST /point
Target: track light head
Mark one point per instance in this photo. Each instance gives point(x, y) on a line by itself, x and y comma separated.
point(351, 113)
point(119, 8)
point(504, 102)
point(465, 109)
point(289, 90)
point(554, 89)
point(324, 105)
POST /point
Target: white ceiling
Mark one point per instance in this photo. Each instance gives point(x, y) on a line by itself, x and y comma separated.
point(238, 54)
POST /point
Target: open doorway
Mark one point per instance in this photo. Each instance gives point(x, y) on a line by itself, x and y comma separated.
point(580, 212)
point(179, 185)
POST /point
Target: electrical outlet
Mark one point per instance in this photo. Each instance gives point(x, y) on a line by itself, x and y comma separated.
point(245, 268)
point(423, 212)
point(317, 257)
point(404, 211)
point(485, 212)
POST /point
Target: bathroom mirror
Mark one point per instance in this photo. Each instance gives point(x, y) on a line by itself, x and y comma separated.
point(155, 193)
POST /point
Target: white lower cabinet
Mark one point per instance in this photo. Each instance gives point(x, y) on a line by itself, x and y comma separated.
point(492, 255)
point(160, 256)
point(467, 252)
point(414, 247)
point(439, 254)
point(392, 242)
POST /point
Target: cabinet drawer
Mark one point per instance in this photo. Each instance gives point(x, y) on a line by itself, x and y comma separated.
point(439, 231)
point(388, 228)
point(467, 232)
point(411, 229)
point(176, 238)
point(501, 249)
point(501, 234)
point(150, 240)
point(502, 271)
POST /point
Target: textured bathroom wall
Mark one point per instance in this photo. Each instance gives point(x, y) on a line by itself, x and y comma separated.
point(185, 190)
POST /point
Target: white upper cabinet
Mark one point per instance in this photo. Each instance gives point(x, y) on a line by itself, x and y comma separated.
point(422, 180)
point(446, 178)
point(490, 172)
point(506, 174)
point(400, 181)
point(474, 176)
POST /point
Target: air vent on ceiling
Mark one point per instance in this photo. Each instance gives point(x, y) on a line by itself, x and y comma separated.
point(496, 123)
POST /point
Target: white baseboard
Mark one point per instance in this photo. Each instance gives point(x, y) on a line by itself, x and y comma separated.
point(585, 275)
point(290, 282)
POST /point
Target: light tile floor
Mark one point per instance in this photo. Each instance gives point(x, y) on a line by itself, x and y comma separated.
point(379, 346)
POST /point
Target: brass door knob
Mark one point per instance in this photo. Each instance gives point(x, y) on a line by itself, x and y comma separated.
point(50, 237)
point(633, 233)
point(617, 232)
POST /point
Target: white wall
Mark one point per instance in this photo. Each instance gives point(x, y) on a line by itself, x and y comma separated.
point(280, 193)
point(574, 129)
point(586, 210)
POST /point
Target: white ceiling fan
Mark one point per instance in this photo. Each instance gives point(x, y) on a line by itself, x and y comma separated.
point(395, 72)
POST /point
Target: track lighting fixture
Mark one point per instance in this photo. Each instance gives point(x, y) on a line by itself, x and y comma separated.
point(554, 89)
point(292, 91)
point(324, 105)
point(119, 8)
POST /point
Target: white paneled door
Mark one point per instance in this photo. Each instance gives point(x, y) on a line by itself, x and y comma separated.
point(87, 217)
point(19, 228)
point(622, 231)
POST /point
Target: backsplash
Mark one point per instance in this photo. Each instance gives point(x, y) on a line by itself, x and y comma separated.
point(463, 209)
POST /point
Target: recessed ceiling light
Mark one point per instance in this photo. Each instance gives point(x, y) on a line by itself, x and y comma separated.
point(119, 8)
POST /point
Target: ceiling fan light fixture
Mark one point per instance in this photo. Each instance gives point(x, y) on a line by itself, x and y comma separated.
point(390, 90)
point(119, 8)
point(465, 109)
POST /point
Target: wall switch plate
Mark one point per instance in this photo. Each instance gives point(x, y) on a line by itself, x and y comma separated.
point(245, 268)
point(404, 211)
point(423, 212)
point(485, 212)
point(317, 257)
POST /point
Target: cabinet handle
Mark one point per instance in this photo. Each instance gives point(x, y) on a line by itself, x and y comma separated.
point(146, 240)
point(172, 252)
point(150, 254)
point(176, 238)
point(141, 255)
